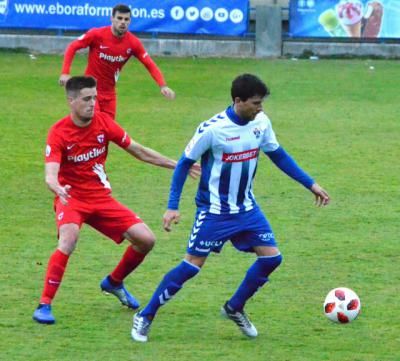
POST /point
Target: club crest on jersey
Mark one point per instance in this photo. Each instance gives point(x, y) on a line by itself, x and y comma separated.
point(129, 51)
point(257, 132)
point(100, 138)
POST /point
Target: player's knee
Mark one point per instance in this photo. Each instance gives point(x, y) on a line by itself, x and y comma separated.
point(149, 242)
point(68, 237)
point(67, 245)
point(144, 243)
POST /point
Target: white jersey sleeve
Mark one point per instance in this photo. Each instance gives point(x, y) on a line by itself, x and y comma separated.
point(269, 142)
point(200, 142)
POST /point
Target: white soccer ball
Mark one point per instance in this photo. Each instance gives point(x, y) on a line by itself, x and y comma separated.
point(342, 305)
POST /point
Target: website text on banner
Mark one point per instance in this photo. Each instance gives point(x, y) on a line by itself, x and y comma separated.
point(358, 19)
point(222, 17)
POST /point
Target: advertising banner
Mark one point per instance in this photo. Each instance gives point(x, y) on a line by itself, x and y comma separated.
point(222, 17)
point(366, 19)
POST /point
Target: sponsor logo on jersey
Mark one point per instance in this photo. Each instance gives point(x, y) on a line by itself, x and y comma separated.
point(100, 138)
point(103, 47)
point(233, 138)
point(94, 153)
point(240, 156)
point(112, 59)
point(69, 147)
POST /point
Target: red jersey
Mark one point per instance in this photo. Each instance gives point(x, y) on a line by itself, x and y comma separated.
point(82, 152)
point(108, 54)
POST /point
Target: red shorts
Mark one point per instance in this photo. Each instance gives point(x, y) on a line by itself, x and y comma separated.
point(107, 103)
point(106, 215)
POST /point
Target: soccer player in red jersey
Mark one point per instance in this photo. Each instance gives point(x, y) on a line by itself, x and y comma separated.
point(110, 47)
point(76, 153)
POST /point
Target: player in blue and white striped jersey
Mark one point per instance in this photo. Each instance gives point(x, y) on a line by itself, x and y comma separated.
point(228, 145)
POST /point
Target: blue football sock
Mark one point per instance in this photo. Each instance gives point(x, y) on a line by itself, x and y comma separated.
point(256, 277)
point(169, 286)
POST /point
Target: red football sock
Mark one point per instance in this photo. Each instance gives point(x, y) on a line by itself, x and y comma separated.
point(130, 260)
point(55, 271)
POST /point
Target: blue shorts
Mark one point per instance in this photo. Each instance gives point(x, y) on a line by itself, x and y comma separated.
point(245, 231)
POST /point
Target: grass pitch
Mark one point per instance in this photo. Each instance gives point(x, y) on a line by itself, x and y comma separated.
point(339, 119)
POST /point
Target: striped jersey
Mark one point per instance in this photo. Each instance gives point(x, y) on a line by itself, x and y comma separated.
point(229, 153)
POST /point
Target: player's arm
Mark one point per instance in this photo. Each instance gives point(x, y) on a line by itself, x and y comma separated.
point(80, 43)
point(51, 177)
point(142, 55)
point(181, 172)
point(149, 155)
point(288, 165)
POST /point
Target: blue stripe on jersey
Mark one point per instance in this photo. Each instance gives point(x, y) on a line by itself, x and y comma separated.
point(250, 194)
point(223, 188)
point(244, 177)
point(203, 192)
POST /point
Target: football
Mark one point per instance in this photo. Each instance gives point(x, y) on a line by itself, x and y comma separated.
point(342, 305)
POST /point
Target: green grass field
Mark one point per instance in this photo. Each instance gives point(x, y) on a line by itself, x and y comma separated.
point(338, 118)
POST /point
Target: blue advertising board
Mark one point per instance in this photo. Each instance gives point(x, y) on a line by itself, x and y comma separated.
point(363, 19)
point(218, 17)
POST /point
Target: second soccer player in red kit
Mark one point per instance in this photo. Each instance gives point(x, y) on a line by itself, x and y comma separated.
point(110, 47)
point(76, 152)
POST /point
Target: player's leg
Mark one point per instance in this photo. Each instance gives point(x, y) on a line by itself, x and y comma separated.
point(169, 287)
point(208, 234)
point(68, 236)
point(259, 238)
point(142, 241)
point(268, 259)
point(118, 223)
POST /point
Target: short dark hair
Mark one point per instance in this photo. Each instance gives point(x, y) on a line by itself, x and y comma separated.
point(246, 86)
point(75, 84)
point(121, 8)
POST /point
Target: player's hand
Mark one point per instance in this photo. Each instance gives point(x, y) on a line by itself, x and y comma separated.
point(63, 79)
point(321, 196)
point(170, 216)
point(63, 193)
point(195, 171)
point(167, 92)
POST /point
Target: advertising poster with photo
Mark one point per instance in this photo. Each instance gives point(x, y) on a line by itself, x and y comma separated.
point(222, 17)
point(358, 19)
